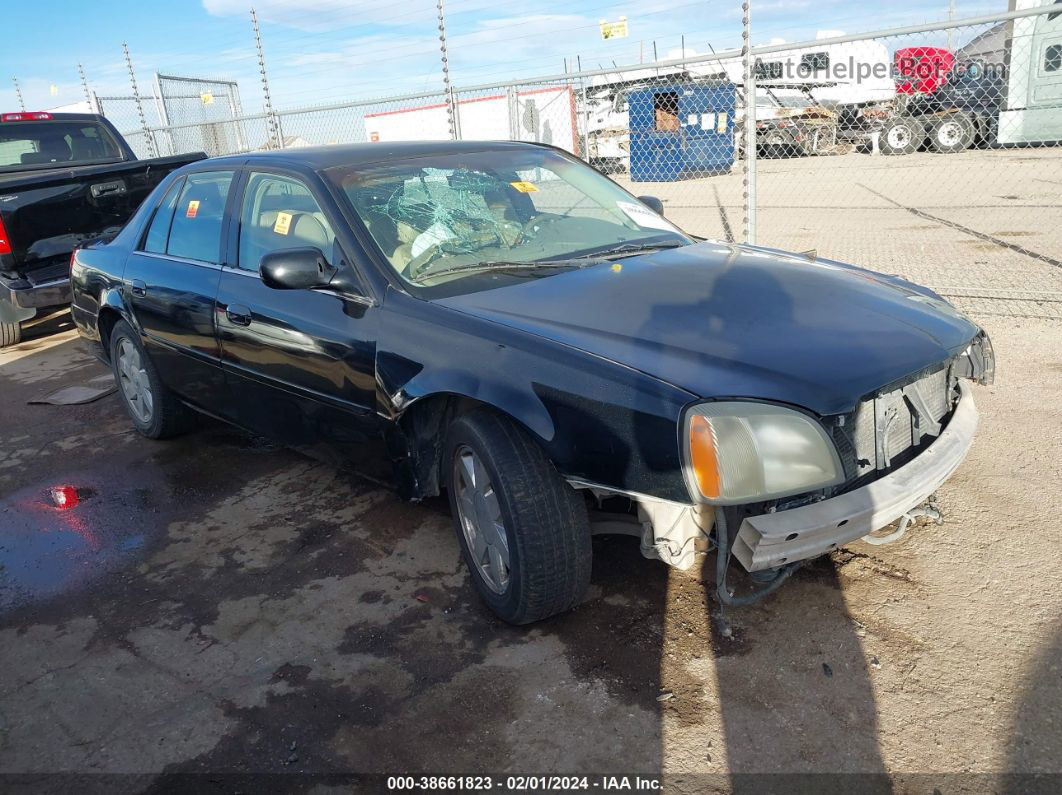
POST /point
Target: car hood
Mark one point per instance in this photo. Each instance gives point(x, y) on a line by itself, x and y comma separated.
point(722, 320)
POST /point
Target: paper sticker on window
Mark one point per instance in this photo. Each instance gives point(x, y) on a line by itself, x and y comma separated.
point(720, 124)
point(644, 217)
point(283, 223)
point(193, 209)
point(525, 187)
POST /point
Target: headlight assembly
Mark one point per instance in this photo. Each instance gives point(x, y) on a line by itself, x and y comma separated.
point(738, 452)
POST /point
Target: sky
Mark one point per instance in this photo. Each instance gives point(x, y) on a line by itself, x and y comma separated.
point(324, 51)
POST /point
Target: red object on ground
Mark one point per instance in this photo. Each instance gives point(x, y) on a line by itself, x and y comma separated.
point(65, 497)
point(922, 70)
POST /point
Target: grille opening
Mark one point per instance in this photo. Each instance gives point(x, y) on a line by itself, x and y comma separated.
point(791, 536)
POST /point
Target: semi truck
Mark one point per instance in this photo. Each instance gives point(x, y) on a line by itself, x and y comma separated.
point(1003, 87)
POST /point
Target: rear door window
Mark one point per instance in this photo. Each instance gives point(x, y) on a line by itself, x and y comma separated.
point(197, 219)
point(158, 233)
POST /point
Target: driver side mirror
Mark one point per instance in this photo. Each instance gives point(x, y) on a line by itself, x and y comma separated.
point(653, 204)
point(296, 269)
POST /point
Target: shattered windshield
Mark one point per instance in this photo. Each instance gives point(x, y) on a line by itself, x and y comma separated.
point(504, 214)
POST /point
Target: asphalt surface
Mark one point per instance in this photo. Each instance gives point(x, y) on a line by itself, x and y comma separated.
point(216, 604)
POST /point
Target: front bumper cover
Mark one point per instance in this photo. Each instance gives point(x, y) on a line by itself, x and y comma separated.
point(774, 539)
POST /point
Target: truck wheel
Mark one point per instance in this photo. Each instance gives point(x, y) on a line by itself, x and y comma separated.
point(10, 333)
point(151, 405)
point(952, 133)
point(523, 531)
point(902, 136)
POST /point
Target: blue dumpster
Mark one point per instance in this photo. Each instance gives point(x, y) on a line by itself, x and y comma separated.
point(682, 130)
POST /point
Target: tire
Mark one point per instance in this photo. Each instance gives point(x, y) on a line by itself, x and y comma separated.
point(952, 133)
point(10, 334)
point(543, 520)
point(164, 415)
point(902, 136)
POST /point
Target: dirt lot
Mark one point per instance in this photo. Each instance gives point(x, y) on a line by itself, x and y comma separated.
point(217, 604)
point(978, 226)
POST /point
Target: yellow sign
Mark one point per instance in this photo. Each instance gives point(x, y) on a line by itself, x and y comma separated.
point(208, 99)
point(525, 187)
point(283, 223)
point(614, 30)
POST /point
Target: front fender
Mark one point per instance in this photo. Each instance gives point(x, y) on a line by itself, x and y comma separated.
point(597, 420)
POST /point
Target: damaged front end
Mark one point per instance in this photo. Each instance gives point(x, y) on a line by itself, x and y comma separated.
point(892, 452)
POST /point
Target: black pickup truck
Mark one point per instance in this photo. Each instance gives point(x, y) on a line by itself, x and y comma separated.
point(65, 178)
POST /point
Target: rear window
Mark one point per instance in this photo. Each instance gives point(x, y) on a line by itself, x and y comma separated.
point(44, 144)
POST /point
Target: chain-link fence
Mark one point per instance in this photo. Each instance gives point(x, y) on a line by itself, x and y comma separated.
point(927, 151)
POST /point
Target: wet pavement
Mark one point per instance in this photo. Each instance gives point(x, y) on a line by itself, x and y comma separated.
point(216, 604)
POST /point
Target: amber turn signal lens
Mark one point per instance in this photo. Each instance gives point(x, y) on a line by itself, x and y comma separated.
point(704, 458)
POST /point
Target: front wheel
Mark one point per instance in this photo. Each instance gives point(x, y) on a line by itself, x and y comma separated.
point(524, 532)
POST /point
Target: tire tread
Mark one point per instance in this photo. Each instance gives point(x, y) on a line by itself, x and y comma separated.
point(10, 334)
point(552, 527)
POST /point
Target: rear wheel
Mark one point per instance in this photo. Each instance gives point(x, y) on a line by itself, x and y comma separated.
point(952, 133)
point(524, 532)
point(154, 409)
point(10, 333)
point(902, 136)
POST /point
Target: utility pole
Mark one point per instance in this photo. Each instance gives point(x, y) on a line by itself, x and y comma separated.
point(749, 171)
point(148, 139)
point(451, 101)
point(272, 122)
point(18, 93)
point(85, 88)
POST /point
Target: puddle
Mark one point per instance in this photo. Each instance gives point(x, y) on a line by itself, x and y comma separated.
point(61, 536)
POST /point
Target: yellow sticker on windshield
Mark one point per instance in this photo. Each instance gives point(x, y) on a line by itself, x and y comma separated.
point(283, 223)
point(193, 209)
point(525, 187)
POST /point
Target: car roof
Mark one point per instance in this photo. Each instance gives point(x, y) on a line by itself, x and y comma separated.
point(324, 157)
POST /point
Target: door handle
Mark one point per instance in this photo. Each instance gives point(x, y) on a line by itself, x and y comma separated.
point(238, 314)
point(138, 287)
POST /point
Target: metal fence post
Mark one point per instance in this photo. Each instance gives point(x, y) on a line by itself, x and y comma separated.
point(272, 120)
point(451, 101)
point(85, 88)
point(149, 139)
point(18, 93)
point(749, 173)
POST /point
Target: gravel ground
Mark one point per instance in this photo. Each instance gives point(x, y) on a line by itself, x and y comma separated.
point(981, 223)
point(216, 604)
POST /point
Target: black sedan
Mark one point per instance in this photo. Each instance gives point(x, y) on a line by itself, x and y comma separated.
point(523, 333)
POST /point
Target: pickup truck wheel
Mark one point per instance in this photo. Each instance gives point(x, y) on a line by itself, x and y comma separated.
point(10, 333)
point(902, 136)
point(154, 409)
point(523, 531)
point(952, 133)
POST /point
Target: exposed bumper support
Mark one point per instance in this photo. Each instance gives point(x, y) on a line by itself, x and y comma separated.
point(774, 539)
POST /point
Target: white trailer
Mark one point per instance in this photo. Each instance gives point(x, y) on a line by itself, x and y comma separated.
point(542, 115)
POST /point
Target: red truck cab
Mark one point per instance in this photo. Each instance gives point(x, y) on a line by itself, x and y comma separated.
point(922, 70)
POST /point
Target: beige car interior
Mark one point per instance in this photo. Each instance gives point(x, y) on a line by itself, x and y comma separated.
point(275, 220)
